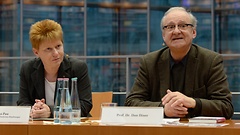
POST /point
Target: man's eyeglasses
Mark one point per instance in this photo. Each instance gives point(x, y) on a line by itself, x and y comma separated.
point(179, 26)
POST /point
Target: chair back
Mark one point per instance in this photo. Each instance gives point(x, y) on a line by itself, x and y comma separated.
point(97, 99)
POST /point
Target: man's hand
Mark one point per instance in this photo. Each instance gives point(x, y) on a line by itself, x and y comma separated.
point(176, 111)
point(176, 104)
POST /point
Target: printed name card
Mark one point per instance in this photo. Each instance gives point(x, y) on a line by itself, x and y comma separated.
point(132, 115)
point(14, 114)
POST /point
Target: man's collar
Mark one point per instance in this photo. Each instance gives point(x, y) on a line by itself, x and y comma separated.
point(183, 61)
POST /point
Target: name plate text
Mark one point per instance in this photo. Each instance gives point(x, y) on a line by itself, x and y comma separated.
point(14, 114)
point(132, 115)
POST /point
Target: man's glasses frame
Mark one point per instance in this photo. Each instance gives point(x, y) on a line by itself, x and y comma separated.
point(179, 26)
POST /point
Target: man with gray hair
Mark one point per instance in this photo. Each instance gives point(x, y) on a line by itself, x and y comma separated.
point(184, 78)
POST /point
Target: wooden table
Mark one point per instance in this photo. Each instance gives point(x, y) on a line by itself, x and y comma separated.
point(39, 128)
point(13, 129)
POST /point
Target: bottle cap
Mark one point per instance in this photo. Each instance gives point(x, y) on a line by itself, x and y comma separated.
point(74, 79)
point(65, 79)
point(59, 79)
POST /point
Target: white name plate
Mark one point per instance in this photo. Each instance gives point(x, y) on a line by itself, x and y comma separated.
point(132, 115)
point(14, 114)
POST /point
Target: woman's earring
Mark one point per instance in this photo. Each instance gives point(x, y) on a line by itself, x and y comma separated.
point(163, 44)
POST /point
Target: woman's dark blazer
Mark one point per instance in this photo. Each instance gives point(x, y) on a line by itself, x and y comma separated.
point(32, 82)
